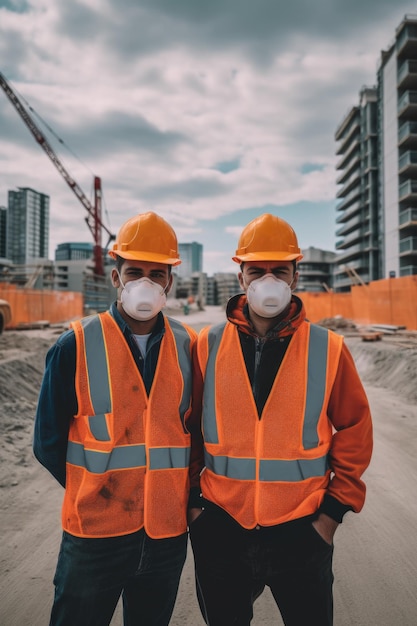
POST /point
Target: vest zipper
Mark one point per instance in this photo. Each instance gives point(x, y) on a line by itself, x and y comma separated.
point(259, 344)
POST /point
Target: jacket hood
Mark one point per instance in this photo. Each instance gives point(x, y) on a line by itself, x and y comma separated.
point(237, 313)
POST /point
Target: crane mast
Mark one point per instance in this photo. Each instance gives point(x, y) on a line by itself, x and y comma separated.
point(93, 220)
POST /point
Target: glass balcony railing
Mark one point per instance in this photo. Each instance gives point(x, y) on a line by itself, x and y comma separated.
point(349, 154)
point(408, 216)
point(408, 33)
point(408, 245)
point(408, 188)
point(407, 99)
point(408, 270)
point(349, 225)
point(352, 166)
point(348, 213)
point(407, 68)
point(407, 129)
point(349, 198)
point(408, 158)
point(353, 181)
point(351, 251)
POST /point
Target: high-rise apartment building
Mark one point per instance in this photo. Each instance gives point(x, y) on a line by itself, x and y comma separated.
point(358, 196)
point(397, 101)
point(3, 231)
point(377, 144)
point(27, 226)
point(191, 255)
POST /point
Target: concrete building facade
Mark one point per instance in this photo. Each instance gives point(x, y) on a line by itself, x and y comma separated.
point(74, 251)
point(316, 270)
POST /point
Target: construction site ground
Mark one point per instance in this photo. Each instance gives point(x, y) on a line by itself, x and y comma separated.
point(375, 561)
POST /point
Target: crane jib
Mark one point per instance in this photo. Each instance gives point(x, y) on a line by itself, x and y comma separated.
point(94, 211)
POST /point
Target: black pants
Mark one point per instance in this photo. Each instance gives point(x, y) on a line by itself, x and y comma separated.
point(233, 565)
point(92, 574)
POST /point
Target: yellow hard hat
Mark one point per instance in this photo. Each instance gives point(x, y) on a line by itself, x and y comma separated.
point(268, 238)
point(147, 237)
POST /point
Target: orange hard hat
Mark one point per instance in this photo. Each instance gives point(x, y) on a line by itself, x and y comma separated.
point(147, 237)
point(268, 238)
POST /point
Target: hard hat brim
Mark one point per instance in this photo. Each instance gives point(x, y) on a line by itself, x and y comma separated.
point(267, 256)
point(144, 256)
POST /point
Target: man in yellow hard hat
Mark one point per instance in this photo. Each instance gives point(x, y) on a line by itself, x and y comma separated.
point(287, 436)
point(113, 427)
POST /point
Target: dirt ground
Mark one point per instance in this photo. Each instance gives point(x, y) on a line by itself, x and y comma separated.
point(375, 552)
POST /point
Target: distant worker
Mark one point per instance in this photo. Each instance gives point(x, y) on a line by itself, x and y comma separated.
point(113, 427)
point(287, 436)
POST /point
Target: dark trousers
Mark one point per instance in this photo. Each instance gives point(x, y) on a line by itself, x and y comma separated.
point(233, 566)
point(92, 574)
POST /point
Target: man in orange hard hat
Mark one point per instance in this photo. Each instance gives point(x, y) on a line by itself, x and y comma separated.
point(113, 426)
point(287, 436)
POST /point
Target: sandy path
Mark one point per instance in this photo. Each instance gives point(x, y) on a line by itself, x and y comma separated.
point(375, 555)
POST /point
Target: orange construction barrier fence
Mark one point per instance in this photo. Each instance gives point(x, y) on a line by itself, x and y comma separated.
point(390, 301)
point(29, 306)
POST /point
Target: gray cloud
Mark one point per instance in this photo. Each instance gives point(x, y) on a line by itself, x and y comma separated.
point(256, 29)
point(117, 132)
point(128, 29)
point(81, 22)
point(184, 190)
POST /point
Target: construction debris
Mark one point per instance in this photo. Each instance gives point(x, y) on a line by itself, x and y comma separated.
point(337, 323)
point(370, 335)
point(387, 328)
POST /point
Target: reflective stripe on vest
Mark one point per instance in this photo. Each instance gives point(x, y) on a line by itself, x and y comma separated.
point(124, 457)
point(209, 411)
point(182, 342)
point(316, 383)
point(121, 457)
point(271, 469)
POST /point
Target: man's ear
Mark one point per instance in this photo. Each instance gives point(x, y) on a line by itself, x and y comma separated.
point(115, 278)
point(241, 282)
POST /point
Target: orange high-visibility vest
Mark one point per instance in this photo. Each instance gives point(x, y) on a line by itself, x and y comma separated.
point(128, 454)
point(271, 469)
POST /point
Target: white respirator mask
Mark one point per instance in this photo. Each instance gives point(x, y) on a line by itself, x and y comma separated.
point(142, 299)
point(268, 296)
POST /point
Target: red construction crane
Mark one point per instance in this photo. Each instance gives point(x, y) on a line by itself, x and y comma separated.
point(93, 219)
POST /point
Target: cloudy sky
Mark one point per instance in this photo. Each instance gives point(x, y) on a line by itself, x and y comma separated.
point(207, 112)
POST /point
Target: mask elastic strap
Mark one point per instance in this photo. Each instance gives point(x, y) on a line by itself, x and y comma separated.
point(120, 278)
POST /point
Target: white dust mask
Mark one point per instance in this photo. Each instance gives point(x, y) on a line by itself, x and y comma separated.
point(268, 296)
point(142, 299)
